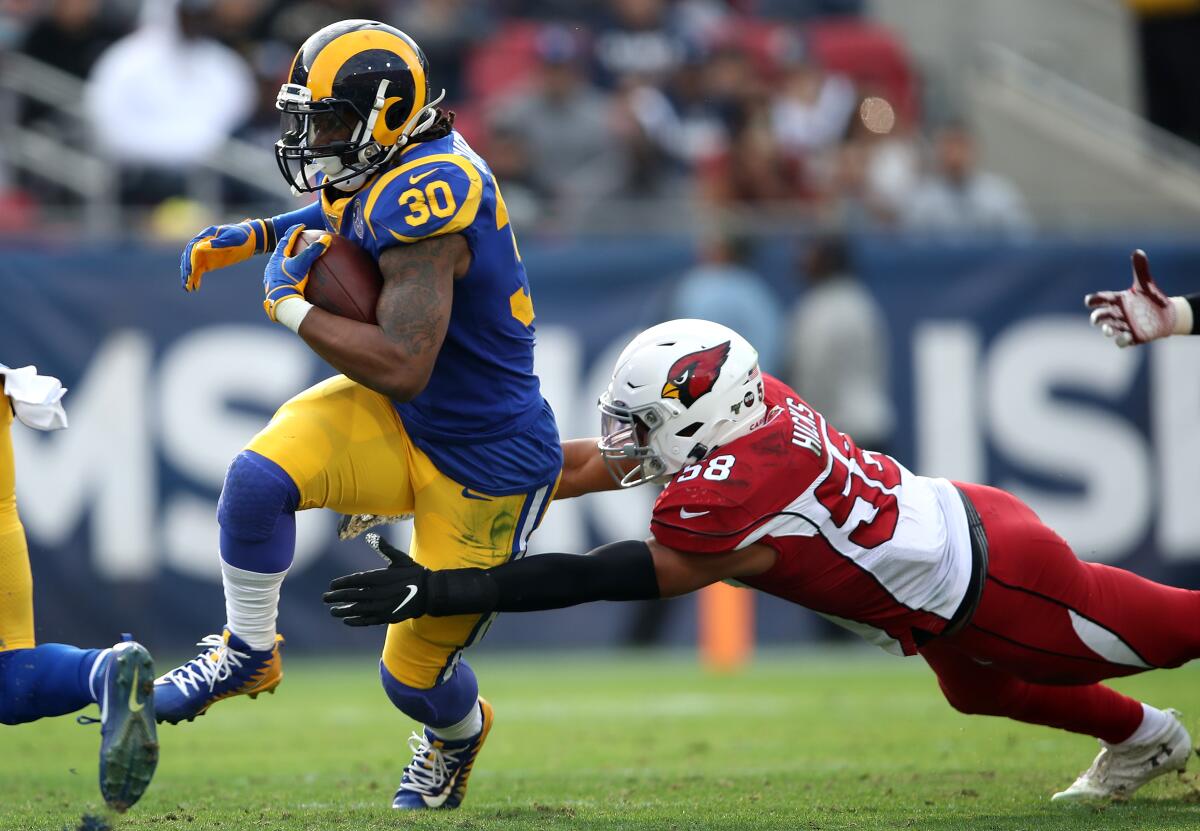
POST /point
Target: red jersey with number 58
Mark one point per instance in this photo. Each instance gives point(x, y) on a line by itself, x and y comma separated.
point(860, 539)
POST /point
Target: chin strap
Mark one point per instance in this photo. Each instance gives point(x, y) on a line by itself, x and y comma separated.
point(367, 127)
point(356, 181)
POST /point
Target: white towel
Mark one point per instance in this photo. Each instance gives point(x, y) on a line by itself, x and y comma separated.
point(36, 398)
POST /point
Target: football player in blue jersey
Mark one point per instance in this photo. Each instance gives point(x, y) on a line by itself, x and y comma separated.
point(437, 412)
point(54, 679)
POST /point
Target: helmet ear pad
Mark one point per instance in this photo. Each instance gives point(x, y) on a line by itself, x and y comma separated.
point(390, 122)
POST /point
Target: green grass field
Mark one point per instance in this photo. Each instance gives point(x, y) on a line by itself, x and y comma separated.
point(801, 740)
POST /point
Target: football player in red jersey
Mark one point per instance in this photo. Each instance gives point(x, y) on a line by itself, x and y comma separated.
point(1143, 312)
point(762, 490)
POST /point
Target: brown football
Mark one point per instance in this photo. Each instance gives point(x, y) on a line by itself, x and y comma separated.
point(344, 280)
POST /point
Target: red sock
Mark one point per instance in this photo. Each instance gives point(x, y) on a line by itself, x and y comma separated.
point(1095, 710)
point(978, 689)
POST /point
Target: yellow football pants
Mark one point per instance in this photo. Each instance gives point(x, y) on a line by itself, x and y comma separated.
point(346, 449)
point(16, 581)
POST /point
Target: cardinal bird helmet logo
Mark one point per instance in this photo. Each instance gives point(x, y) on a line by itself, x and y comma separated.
point(693, 375)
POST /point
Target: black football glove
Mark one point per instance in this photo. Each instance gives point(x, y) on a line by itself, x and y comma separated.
point(384, 595)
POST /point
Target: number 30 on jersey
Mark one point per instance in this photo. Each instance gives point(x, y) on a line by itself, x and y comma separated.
point(436, 199)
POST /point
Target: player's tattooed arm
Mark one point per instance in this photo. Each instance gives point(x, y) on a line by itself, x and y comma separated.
point(418, 285)
point(583, 470)
point(396, 357)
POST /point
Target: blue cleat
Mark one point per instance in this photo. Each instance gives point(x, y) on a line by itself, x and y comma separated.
point(227, 667)
point(128, 734)
point(438, 773)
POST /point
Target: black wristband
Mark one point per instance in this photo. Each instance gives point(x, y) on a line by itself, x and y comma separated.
point(618, 571)
point(1194, 301)
point(270, 235)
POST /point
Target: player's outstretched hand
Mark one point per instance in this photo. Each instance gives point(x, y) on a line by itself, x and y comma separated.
point(286, 274)
point(1139, 314)
point(385, 595)
point(218, 246)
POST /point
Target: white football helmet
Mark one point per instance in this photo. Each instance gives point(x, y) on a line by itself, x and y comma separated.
point(679, 390)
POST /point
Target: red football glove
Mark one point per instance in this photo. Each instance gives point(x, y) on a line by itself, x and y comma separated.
point(1139, 314)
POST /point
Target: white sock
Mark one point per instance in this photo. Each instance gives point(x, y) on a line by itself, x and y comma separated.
point(99, 662)
point(251, 604)
point(1154, 721)
point(465, 729)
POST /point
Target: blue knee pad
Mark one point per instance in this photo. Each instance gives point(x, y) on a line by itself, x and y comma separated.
point(256, 493)
point(47, 680)
point(257, 515)
point(443, 705)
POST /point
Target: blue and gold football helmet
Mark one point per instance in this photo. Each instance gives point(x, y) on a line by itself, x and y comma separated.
point(357, 92)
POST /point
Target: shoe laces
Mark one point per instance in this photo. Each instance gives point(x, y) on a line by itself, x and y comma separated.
point(216, 663)
point(429, 770)
point(1099, 770)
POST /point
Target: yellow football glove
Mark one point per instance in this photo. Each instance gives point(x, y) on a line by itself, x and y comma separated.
point(218, 246)
point(286, 275)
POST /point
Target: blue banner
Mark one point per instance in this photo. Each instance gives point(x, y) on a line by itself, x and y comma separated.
point(997, 378)
point(1000, 379)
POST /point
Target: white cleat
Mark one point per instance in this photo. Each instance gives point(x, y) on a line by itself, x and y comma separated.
point(1119, 770)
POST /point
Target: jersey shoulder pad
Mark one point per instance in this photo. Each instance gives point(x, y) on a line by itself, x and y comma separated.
point(424, 197)
point(698, 518)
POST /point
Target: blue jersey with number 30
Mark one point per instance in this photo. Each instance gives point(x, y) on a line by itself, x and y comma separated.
point(482, 418)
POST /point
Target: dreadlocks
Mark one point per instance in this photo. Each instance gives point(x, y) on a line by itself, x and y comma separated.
point(441, 127)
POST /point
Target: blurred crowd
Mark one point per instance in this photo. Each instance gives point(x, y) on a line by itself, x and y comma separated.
point(584, 109)
point(753, 115)
point(1167, 33)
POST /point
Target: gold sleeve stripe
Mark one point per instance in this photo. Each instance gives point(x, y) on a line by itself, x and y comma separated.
point(339, 50)
point(466, 211)
point(501, 208)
